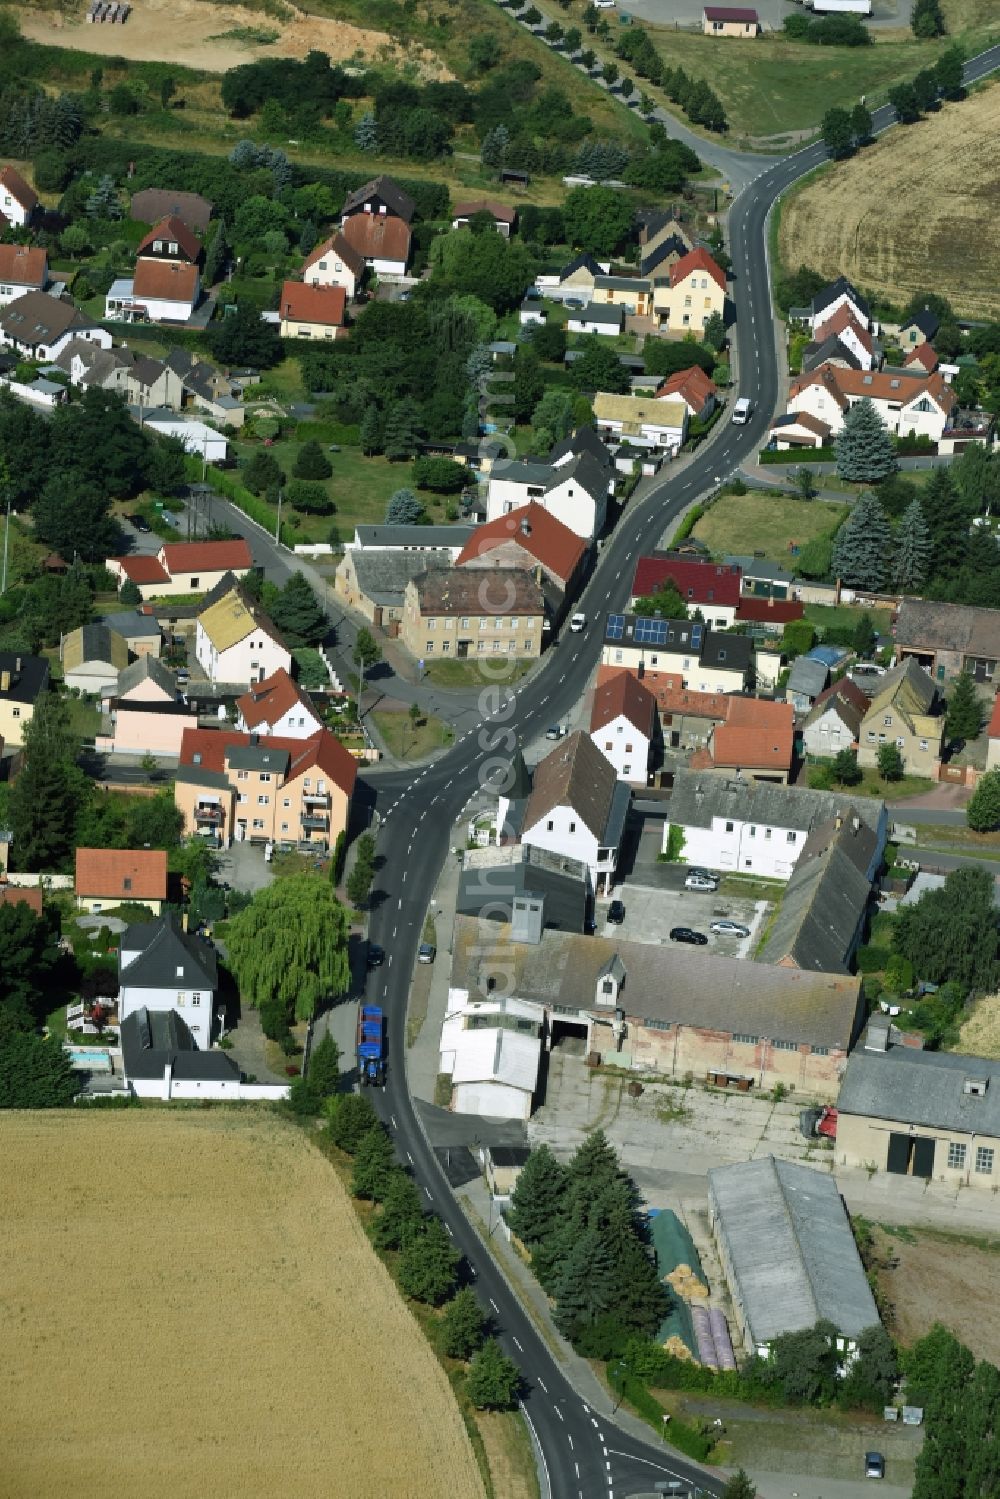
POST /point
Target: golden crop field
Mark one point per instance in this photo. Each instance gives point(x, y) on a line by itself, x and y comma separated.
point(914, 212)
point(190, 1308)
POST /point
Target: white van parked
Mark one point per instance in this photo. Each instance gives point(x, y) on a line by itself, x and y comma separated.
point(741, 411)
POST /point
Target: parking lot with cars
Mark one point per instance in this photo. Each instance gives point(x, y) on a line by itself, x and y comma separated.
point(732, 925)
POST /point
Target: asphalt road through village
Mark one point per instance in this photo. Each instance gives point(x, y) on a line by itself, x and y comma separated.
point(583, 1454)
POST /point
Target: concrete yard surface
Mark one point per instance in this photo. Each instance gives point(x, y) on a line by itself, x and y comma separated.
point(651, 913)
point(670, 1131)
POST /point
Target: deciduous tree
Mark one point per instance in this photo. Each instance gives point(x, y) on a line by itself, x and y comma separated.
point(351, 1118)
point(290, 943)
point(951, 933)
point(464, 1324)
point(983, 811)
point(493, 1379)
point(35, 1073)
point(890, 762)
point(838, 133)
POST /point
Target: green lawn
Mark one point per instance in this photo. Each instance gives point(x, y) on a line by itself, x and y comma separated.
point(409, 742)
point(890, 791)
point(469, 673)
point(771, 86)
point(768, 523)
point(846, 616)
point(360, 488)
point(84, 718)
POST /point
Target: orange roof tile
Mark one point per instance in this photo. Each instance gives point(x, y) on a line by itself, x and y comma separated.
point(878, 385)
point(313, 304)
point(378, 236)
point(754, 746)
point(693, 386)
point(269, 700)
point(165, 281)
point(21, 895)
point(336, 244)
point(696, 260)
point(131, 874)
point(23, 265)
point(838, 322)
point(542, 535)
point(142, 569)
point(322, 748)
point(208, 556)
point(924, 356)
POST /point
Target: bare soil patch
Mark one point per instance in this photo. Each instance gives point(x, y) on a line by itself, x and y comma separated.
point(182, 32)
point(942, 1278)
point(190, 1306)
point(942, 180)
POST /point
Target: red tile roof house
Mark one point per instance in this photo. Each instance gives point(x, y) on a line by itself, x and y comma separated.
point(712, 587)
point(17, 200)
point(768, 616)
point(923, 358)
point(334, 263)
point(694, 388)
point(278, 705)
point(109, 877)
point(311, 311)
point(182, 567)
point(375, 221)
point(265, 789)
point(624, 726)
point(842, 328)
point(757, 740)
point(22, 269)
point(528, 537)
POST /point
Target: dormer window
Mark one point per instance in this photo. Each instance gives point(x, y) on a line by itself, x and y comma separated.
point(975, 1087)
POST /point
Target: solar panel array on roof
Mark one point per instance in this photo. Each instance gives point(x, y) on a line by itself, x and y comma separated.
point(616, 627)
point(650, 631)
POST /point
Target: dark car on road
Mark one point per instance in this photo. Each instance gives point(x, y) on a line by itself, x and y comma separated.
point(616, 912)
point(139, 523)
point(376, 955)
point(687, 934)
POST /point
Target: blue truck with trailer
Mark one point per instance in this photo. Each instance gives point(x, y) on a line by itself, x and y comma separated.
point(371, 1046)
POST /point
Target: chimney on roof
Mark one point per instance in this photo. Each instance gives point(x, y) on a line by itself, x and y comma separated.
point(254, 738)
point(855, 823)
point(525, 526)
point(4, 681)
point(838, 821)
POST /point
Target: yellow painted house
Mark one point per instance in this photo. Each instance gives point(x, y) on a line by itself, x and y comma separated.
point(693, 289)
point(23, 680)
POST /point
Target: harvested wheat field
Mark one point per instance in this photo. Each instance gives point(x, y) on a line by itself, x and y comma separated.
point(201, 34)
point(190, 1307)
point(912, 212)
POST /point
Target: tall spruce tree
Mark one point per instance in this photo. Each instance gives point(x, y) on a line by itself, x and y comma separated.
point(428, 1265)
point(585, 1287)
point(50, 792)
point(965, 712)
point(947, 526)
point(861, 547)
point(912, 549)
point(864, 448)
point(538, 1196)
point(402, 1213)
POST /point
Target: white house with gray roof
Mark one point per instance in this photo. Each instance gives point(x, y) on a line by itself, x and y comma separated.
point(759, 827)
point(573, 484)
point(161, 968)
point(577, 807)
point(788, 1253)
